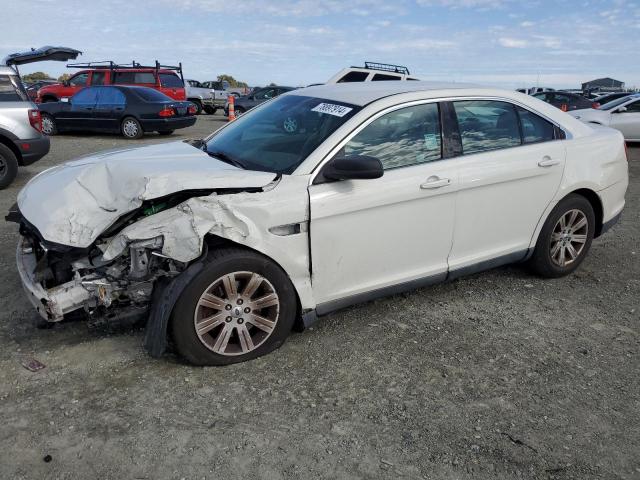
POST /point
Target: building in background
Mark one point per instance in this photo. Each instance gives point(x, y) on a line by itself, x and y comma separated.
point(607, 83)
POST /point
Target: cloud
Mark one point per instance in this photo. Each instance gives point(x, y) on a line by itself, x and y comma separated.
point(508, 42)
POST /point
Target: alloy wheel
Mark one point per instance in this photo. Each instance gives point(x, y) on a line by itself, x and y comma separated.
point(569, 237)
point(47, 125)
point(130, 128)
point(236, 313)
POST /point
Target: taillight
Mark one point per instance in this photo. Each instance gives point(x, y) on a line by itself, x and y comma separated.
point(35, 119)
point(166, 112)
point(192, 109)
point(595, 105)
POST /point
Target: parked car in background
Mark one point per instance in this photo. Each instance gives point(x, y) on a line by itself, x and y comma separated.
point(375, 189)
point(201, 96)
point(532, 90)
point(256, 97)
point(164, 78)
point(622, 114)
point(566, 101)
point(372, 72)
point(128, 110)
point(609, 97)
point(21, 140)
point(32, 88)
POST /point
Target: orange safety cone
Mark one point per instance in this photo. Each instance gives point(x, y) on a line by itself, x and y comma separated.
point(232, 109)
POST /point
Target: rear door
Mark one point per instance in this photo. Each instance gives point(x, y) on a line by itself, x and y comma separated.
point(510, 169)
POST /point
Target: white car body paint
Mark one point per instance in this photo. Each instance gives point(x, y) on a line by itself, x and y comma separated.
point(364, 235)
point(627, 122)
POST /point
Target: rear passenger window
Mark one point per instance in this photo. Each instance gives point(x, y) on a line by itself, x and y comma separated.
point(487, 125)
point(132, 78)
point(534, 128)
point(169, 80)
point(111, 96)
point(381, 76)
point(354, 77)
point(408, 136)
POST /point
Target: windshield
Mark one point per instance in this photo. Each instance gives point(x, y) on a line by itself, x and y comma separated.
point(614, 103)
point(280, 134)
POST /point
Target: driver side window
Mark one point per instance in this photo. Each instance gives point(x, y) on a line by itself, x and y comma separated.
point(79, 80)
point(404, 137)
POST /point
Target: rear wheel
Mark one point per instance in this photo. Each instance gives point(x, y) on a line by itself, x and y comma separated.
point(241, 306)
point(48, 125)
point(131, 128)
point(8, 166)
point(239, 111)
point(565, 238)
point(209, 110)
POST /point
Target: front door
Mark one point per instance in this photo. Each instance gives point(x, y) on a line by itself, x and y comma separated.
point(509, 172)
point(109, 109)
point(371, 236)
point(81, 113)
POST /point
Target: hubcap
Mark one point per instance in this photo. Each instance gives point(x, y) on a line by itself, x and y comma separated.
point(569, 237)
point(236, 313)
point(130, 128)
point(47, 126)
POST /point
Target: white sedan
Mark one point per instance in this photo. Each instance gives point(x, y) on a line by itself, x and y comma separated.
point(622, 114)
point(322, 198)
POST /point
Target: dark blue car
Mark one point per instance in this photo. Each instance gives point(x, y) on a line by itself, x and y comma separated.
point(128, 110)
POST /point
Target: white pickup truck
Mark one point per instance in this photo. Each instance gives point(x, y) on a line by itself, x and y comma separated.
point(222, 90)
point(200, 95)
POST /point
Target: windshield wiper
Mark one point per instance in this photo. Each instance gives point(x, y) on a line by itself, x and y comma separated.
point(227, 159)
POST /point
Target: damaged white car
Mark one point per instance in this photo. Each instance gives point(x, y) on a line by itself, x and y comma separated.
point(320, 199)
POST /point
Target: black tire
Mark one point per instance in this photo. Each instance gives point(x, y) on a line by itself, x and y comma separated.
point(8, 166)
point(131, 133)
point(541, 261)
point(218, 264)
point(239, 111)
point(198, 105)
point(208, 109)
point(54, 128)
point(166, 132)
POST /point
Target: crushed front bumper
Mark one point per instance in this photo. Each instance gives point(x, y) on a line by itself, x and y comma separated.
point(54, 303)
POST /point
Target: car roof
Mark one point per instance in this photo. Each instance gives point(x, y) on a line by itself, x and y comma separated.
point(363, 93)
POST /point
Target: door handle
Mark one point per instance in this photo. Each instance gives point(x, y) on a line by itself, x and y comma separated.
point(435, 182)
point(547, 161)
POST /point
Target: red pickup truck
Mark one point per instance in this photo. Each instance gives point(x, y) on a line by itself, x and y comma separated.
point(166, 79)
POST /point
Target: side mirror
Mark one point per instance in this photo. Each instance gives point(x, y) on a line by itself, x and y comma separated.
point(621, 110)
point(356, 167)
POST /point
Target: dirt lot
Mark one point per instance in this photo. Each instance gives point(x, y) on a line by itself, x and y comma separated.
point(498, 375)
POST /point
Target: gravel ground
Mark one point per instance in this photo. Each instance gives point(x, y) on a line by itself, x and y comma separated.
point(497, 375)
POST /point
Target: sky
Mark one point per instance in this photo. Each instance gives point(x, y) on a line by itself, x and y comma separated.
point(508, 43)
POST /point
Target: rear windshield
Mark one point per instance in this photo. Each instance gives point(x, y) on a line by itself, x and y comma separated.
point(170, 80)
point(151, 95)
point(614, 103)
point(11, 89)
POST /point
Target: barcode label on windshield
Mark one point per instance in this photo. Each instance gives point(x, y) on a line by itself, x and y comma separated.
point(331, 109)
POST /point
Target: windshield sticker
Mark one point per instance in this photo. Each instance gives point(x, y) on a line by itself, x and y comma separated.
point(332, 109)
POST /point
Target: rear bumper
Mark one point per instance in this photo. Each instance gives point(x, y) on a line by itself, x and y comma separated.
point(32, 150)
point(164, 124)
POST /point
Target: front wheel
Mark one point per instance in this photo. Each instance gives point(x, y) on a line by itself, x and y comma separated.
point(131, 128)
point(565, 238)
point(239, 307)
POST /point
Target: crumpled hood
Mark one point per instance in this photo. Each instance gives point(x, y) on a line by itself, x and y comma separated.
point(73, 203)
